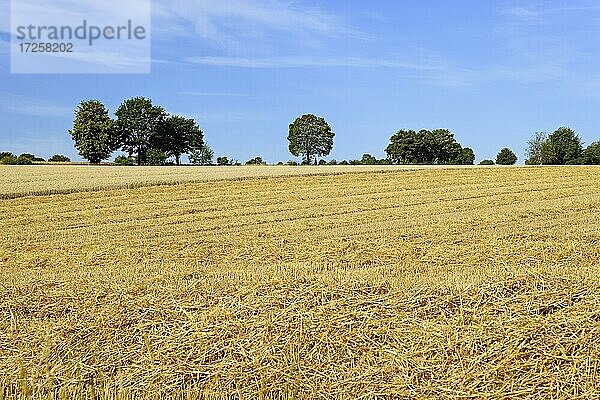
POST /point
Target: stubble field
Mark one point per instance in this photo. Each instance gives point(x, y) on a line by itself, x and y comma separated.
point(435, 283)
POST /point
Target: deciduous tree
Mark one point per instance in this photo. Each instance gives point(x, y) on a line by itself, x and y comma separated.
point(93, 131)
point(310, 136)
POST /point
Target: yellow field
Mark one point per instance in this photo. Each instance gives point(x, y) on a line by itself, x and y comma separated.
point(18, 181)
point(441, 283)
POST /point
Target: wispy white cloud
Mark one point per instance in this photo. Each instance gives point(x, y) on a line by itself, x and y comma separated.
point(242, 24)
point(214, 94)
point(16, 104)
point(303, 62)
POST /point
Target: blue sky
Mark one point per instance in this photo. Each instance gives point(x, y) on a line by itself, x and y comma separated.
point(493, 72)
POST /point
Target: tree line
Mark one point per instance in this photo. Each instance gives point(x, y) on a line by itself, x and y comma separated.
point(8, 158)
point(149, 135)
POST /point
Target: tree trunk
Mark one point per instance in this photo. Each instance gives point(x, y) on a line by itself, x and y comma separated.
point(177, 156)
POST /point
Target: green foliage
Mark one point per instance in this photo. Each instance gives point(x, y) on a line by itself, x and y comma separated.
point(223, 161)
point(202, 155)
point(562, 147)
point(6, 154)
point(310, 136)
point(124, 161)
point(368, 159)
point(343, 162)
point(59, 158)
point(591, 155)
point(332, 162)
point(467, 157)
point(93, 131)
point(139, 123)
point(8, 160)
point(427, 147)
point(534, 148)
point(11, 159)
point(487, 162)
point(31, 157)
point(506, 157)
point(177, 136)
point(256, 161)
point(156, 157)
point(292, 163)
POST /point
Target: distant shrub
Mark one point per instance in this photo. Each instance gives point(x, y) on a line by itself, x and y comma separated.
point(292, 162)
point(332, 162)
point(322, 162)
point(256, 161)
point(506, 157)
point(12, 160)
point(28, 156)
point(487, 162)
point(223, 161)
point(59, 158)
point(343, 162)
point(8, 160)
point(124, 161)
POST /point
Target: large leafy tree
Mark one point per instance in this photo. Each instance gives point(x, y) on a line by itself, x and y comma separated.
point(427, 147)
point(178, 135)
point(563, 146)
point(93, 131)
point(310, 136)
point(534, 148)
point(506, 157)
point(406, 147)
point(441, 146)
point(139, 123)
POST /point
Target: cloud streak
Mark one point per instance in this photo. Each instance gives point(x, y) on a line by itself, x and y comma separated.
point(308, 62)
point(23, 105)
point(242, 24)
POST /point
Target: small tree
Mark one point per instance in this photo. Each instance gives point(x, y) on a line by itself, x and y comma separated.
point(93, 131)
point(368, 159)
point(591, 155)
point(12, 160)
point(124, 161)
point(534, 148)
point(506, 157)
point(256, 161)
point(139, 123)
point(487, 162)
point(223, 161)
point(202, 155)
point(59, 158)
point(562, 147)
point(177, 136)
point(310, 136)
